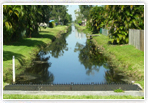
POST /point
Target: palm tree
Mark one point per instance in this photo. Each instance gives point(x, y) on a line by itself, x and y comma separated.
point(10, 20)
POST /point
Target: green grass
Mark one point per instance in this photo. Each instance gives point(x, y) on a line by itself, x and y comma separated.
point(20, 96)
point(82, 28)
point(25, 49)
point(118, 90)
point(124, 57)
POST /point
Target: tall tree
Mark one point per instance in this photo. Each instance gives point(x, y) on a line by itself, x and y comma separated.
point(10, 19)
point(121, 18)
point(19, 20)
point(96, 19)
point(84, 9)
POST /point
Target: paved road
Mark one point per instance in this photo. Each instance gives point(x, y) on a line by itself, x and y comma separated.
point(102, 93)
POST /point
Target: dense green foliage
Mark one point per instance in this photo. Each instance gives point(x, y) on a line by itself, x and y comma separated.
point(79, 22)
point(122, 18)
point(23, 20)
point(59, 14)
point(118, 19)
point(51, 24)
point(84, 10)
point(96, 19)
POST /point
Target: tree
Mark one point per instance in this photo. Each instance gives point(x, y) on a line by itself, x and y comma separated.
point(118, 19)
point(11, 15)
point(59, 13)
point(121, 18)
point(79, 16)
point(85, 10)
point(23, 20)
point(96, 19)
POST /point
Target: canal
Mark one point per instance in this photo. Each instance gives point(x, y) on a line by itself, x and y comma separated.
point(71, 58)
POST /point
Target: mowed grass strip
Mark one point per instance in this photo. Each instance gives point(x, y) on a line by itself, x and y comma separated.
point(126, 57)
point(20, 96)
point(25, 49)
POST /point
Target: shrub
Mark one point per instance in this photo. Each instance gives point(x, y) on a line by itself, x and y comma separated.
point(52, 24)
point(79, 22)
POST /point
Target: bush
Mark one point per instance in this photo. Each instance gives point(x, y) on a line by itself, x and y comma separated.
point(52, 24)
point(79, 22)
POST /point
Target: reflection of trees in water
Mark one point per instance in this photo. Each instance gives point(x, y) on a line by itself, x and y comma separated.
point(115, 76)
point(90, 57)
point(38, 73)
point(58, 47)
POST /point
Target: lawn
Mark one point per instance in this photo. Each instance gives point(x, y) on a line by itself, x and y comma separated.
point(20, 96)
point(24, 50)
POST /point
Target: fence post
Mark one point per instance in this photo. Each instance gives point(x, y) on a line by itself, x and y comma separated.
point(13, 59)
point(142, 40)
point(130, 37)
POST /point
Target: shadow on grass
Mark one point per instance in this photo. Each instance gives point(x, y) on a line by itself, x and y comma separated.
point(44, 32)
point(110, 43)
point(7, 55)
point(45, 36)
point(29, 43)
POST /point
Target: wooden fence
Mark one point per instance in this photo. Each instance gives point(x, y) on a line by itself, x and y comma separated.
point(136, 38)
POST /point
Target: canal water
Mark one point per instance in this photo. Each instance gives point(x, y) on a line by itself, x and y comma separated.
point(70, 58)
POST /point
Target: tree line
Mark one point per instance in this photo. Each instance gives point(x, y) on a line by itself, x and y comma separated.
point(23, 20)
point(118, 19)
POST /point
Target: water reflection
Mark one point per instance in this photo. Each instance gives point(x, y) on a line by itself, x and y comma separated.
point(79, 35)
point(115, 75)
point(93, 59)
point(90, 57)
point(38, 73)
point(58, 47)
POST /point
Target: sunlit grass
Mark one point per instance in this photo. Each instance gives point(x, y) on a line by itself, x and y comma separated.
point(19, 96)
point(128, 57)
point(80, 27)
point(118, 90)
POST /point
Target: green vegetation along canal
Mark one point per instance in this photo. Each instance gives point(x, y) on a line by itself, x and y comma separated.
point(71, 58)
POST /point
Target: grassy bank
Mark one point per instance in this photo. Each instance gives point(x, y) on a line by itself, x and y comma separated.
point(83, 28)
point(123, 57)
point(26, 49)
point(19, 96)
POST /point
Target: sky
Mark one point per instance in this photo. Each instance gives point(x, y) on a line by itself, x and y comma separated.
point(71, 9)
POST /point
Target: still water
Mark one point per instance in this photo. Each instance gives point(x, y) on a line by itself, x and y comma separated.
point(71, 58)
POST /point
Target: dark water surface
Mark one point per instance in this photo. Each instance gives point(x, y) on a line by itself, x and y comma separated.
point(71, 58)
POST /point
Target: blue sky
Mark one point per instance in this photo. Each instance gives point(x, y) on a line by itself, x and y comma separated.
point(71, 9)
